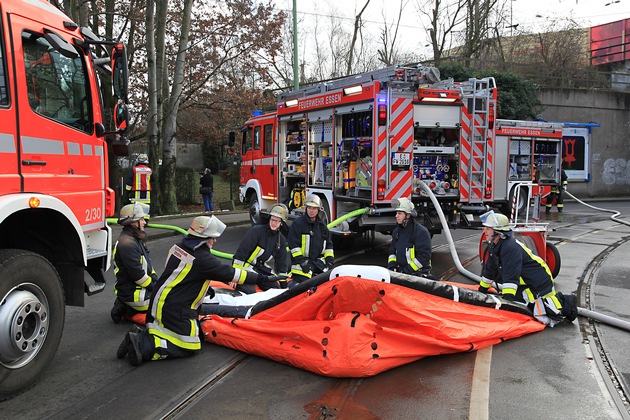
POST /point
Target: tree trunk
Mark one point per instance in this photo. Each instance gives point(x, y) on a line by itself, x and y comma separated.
point(171, 106)
point(152, 112)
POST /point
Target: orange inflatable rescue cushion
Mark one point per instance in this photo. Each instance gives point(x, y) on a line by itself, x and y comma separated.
point(353, 327)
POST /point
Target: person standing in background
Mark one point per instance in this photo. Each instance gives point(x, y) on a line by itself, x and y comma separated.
point(207, 190)
point(556, 193)
point(139, 180)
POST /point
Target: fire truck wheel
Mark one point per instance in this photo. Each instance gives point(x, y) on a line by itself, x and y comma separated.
point(32, 312)
point(254, 210)
point(552, 258)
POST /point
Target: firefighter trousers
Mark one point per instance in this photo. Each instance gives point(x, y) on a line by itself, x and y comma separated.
point(155, 348)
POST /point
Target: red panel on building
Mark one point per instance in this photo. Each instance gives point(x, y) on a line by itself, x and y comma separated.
point(610, 42)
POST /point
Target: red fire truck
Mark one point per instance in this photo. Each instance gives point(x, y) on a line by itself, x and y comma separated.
point(361, 141)
point(54, 194)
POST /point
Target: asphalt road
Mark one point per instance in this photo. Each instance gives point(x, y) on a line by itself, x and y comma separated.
point(564, 372)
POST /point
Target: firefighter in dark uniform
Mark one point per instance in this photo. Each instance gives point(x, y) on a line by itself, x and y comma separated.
point(172, 321)
point(556, 194)
point(310, 243)
point(410, 250)
point(525, 277)
point(134, 272)
point(262, 243)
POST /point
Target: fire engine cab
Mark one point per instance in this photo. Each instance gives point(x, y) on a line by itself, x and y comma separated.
point(54, 194)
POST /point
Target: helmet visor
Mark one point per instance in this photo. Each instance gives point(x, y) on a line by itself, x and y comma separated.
point(489, 218)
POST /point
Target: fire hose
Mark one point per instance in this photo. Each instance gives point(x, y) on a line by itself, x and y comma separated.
point(214, 252)
point(228, 256)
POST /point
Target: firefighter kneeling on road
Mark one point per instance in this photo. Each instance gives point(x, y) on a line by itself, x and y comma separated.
point(525, 277)
point(172, 321)
point(135, 276)
point(310, 243)
point(410, 250)
point(262, 243)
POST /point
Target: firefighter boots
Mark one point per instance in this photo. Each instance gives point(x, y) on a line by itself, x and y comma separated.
point(118, 311)
point(135, 355)
point(123, 349)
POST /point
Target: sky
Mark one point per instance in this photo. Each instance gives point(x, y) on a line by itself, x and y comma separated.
point(530, 15)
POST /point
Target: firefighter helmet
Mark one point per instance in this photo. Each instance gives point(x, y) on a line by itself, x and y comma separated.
point(279, 210)
point(143, 158)
point(496, 221)
point(206, 227)
point(313, 201)
point(133, 212)
point(405, 205)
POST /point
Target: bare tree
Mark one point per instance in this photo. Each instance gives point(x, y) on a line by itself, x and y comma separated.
point(388, 51)
point(477, 26)
point(355, 34)
point(445, 17)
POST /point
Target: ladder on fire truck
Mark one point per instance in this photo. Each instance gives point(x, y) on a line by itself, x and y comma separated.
point(418, 74)
point(478, 94)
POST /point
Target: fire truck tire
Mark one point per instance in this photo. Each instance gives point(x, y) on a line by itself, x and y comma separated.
point(254, 209)
point(32, 312)
point(553, 260)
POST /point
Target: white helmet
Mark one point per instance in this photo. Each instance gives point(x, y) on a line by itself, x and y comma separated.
point(313, 201)
point(279, 210)
point(496, 221)
point(133, 212)
point(143, 158)
point(405, 205)
point(206, 227)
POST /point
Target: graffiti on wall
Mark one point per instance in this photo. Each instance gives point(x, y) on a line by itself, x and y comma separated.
point(616, 172)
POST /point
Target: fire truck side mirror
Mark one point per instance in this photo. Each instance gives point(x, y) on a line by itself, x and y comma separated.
point(231, 138)
point(120, 79)
point(120, 145)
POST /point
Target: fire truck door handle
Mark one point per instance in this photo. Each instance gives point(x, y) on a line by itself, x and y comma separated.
point(252, 169)
point(34, 162)
point(271, 170)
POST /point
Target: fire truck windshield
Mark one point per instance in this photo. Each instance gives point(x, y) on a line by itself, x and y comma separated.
point(57, 85)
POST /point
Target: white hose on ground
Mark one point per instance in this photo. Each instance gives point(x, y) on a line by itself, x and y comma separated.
point(447, 232)
point(613, 217)
point(624, 325)
point(615, 322)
